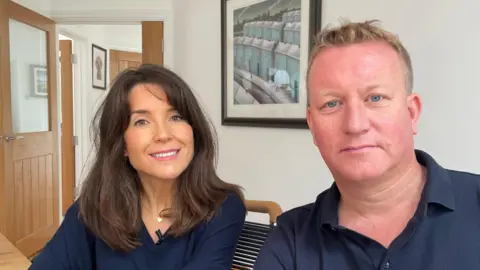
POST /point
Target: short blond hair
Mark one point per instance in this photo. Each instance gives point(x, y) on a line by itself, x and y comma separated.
point(349, 33)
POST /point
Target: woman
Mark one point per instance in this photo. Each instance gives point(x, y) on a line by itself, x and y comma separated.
point(152, 199)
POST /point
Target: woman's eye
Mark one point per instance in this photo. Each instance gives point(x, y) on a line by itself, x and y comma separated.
point(177, 118)
point(140, 122)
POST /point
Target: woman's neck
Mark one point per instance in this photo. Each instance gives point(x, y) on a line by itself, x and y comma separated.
point(157, 194)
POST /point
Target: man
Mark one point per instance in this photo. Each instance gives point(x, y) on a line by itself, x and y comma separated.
point(391, 206)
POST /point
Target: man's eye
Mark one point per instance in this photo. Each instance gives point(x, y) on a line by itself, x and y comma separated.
point(332, 104)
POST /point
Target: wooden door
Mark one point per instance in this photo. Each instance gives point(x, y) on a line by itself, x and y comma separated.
point(68, 146)
point(152, 50)
point(121, 60)
point(29, 207)
point(152, 42)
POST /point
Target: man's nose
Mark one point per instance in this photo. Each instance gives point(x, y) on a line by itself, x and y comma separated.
point(356, 120)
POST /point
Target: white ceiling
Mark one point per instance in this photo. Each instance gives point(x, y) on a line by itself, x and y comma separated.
point(100, 11)
point(47, 7)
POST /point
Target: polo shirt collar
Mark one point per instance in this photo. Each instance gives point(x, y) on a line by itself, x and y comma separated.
point(437, 190)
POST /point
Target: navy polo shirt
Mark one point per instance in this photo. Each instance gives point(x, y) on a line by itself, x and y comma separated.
point(209, 246)
point(443, 234)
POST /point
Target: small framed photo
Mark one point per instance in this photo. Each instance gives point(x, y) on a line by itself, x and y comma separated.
point(40, 81)
point(99, 67)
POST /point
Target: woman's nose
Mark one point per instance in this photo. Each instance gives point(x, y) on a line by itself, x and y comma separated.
point(162, 132)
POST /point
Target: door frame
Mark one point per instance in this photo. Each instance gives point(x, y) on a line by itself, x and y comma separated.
point(116, 17)
point(81, 70)
point(3, 83)
point(67, 125)
point(81, 124)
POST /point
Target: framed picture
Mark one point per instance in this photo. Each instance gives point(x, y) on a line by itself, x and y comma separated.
point(39, 81)
point(265, 51)
point(99, 67)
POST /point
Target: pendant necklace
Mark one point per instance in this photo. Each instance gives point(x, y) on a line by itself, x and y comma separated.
point(159, 218)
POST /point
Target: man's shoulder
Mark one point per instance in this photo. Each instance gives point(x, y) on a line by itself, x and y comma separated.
point(300, 215)
point(460, 182)
point(464, 182)
point(295, 214)
point(280, 248)
point(469, 177)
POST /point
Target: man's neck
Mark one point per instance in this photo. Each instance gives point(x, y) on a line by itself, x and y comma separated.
point(396, 193)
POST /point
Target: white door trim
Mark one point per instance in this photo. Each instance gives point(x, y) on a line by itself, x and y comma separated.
point(116, 16)
point(109, 16)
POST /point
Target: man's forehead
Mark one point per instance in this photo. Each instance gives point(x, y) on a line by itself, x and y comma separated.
point(355, 64)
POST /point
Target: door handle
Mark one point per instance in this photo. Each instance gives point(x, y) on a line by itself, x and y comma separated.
point(13, 138)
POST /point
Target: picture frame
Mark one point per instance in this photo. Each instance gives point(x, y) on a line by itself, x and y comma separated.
point(39, 80)
point(265, 47)
point(99, 67)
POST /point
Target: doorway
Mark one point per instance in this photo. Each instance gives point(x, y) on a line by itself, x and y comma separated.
point(142, 44)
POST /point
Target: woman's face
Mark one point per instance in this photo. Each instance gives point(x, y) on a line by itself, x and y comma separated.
point(159, 142)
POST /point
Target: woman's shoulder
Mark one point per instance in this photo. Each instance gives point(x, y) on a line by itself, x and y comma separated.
point(72, 221)
point(233, 207)
point(72, 215)
point(70, 245)
point(231, 213)
point(233, 201)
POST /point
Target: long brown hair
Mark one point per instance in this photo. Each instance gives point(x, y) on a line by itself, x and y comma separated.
point(110, 198)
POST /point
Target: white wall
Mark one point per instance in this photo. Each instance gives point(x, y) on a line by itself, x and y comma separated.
point(283, 165)
point(122, 37)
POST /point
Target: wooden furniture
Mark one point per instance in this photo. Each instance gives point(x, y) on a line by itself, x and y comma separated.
point(10, 257)
point(254, 234)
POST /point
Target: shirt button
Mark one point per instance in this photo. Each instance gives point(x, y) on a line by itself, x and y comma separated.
point(386, 266)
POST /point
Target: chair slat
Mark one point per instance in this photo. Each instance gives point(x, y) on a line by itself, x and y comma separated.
point(254, 235)
point(252, 238)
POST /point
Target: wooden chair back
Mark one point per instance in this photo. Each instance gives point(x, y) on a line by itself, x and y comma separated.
point(254, 234)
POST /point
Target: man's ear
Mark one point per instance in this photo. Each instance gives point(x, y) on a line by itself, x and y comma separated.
point(414, 104)
point(310, 123)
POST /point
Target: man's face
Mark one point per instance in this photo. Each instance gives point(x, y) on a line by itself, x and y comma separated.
point(361, 117)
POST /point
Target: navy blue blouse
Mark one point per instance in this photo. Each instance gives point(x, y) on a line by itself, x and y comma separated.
point(210, 246)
